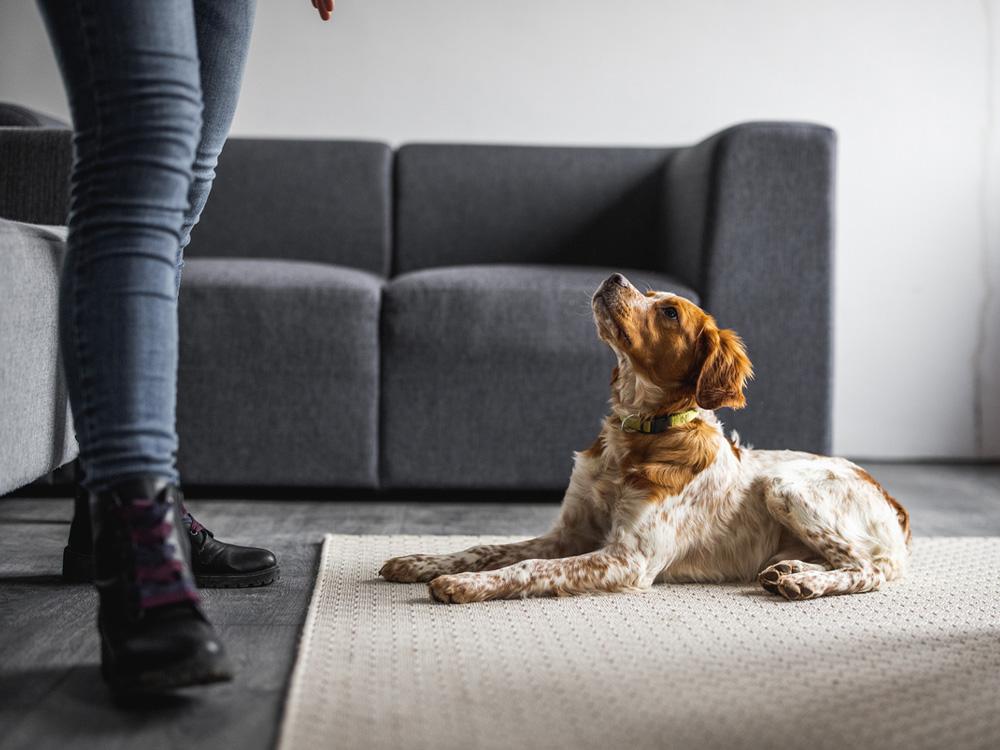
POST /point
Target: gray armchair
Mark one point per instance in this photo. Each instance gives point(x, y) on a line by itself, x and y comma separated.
point(36, 433)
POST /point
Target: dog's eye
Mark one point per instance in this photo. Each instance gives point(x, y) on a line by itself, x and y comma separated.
point(670, 312)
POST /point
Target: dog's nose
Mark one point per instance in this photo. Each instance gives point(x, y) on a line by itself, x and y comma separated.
point(616, 279)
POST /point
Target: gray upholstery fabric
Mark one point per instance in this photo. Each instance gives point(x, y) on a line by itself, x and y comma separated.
point(459, 204)
point(278, 381)
point(36, 433)
point(749, 223)
point(324, 201)
point(493, 375)
point(14, 115)
point(34, 174)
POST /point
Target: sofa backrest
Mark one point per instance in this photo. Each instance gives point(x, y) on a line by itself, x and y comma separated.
point(461, 204)
point(324, 201)
point(447, 204)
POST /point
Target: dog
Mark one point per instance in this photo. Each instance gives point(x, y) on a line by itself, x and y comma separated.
point(663, 496)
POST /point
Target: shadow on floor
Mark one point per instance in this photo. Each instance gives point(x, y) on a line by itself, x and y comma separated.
point(79, 708)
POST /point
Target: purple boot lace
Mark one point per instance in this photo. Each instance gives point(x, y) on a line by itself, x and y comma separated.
point(190, 522)
point(161, 574)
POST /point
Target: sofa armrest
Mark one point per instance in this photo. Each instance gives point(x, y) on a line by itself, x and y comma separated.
point(748, 222)
point(36, 430)
point(35, 165)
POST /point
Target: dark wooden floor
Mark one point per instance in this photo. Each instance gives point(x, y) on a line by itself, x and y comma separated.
point(50, 691)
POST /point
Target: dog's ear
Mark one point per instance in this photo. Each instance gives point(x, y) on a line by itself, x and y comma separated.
point(724, 372)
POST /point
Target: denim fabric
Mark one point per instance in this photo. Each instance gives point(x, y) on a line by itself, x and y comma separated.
point(152, 87)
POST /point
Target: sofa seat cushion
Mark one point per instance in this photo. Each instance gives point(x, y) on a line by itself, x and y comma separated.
point(278, 380)
point(492, 375)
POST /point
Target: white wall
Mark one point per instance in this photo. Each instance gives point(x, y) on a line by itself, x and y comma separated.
point(910, 85)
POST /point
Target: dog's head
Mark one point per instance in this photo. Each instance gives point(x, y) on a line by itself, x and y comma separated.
point(671, 354)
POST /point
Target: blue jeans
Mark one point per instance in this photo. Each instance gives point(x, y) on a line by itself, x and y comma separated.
point(152, 87)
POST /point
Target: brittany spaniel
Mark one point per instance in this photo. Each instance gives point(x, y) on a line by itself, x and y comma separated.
point(663, 496)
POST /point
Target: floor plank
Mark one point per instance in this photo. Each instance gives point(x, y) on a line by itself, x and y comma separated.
point(50, 690)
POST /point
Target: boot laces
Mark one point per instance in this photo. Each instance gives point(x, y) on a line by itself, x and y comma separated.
point(192, 524)
point(161, 574)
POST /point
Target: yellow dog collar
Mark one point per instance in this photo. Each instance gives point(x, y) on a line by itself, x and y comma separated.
point(650, 425)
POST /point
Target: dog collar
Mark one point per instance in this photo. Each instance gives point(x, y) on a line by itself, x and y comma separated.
point(649, 425)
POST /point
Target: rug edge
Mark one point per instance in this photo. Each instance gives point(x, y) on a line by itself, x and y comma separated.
point(303, 644)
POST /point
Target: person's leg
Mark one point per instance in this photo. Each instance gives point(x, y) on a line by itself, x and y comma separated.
point(223, 38)
point(223, 41)
point(132, 76)
point(223, 31)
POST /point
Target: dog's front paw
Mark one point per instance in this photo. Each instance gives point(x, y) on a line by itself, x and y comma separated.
point(461, 588)
point(410, 569)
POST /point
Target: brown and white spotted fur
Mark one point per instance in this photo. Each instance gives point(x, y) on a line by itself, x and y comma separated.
point(685, 504)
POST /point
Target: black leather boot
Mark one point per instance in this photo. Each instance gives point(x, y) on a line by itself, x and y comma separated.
point(78, 554)
point(215, 564)
point(154, 635)
point(220, 565)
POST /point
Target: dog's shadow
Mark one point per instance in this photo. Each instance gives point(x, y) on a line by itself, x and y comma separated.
point(425, 599)
point(752, 593)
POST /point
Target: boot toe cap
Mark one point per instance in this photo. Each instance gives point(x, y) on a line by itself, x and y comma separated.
point(250, 559)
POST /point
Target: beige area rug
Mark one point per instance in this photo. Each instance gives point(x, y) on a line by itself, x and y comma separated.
point(916, 665)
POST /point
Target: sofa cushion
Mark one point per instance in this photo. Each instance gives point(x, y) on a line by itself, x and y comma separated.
point(492, 375)
point(36, 431)
point(469, 204)
point(326, 201)
point(278, 380)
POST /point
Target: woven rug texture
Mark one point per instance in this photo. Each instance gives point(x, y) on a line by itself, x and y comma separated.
point(915, 665)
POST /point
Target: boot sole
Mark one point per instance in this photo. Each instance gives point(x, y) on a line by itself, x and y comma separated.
point(189, 673)
point(239, 580)
point(79, 568)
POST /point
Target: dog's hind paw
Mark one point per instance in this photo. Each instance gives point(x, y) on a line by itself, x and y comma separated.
point(770, 577)
point(800, 586)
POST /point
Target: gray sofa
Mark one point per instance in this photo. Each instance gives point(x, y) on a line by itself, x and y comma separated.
point(353, 316)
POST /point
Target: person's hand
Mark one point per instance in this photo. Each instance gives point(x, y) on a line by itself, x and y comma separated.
point(325, 8)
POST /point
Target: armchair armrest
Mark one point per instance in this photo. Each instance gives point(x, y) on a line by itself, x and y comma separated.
point(749, 223)
point(34, 174)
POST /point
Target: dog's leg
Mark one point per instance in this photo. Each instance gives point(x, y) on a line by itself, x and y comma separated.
point(802, 510)
point(423, 568)
point(638, 545)
point(852, 578)
point(574, 533)
point(614, 568)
